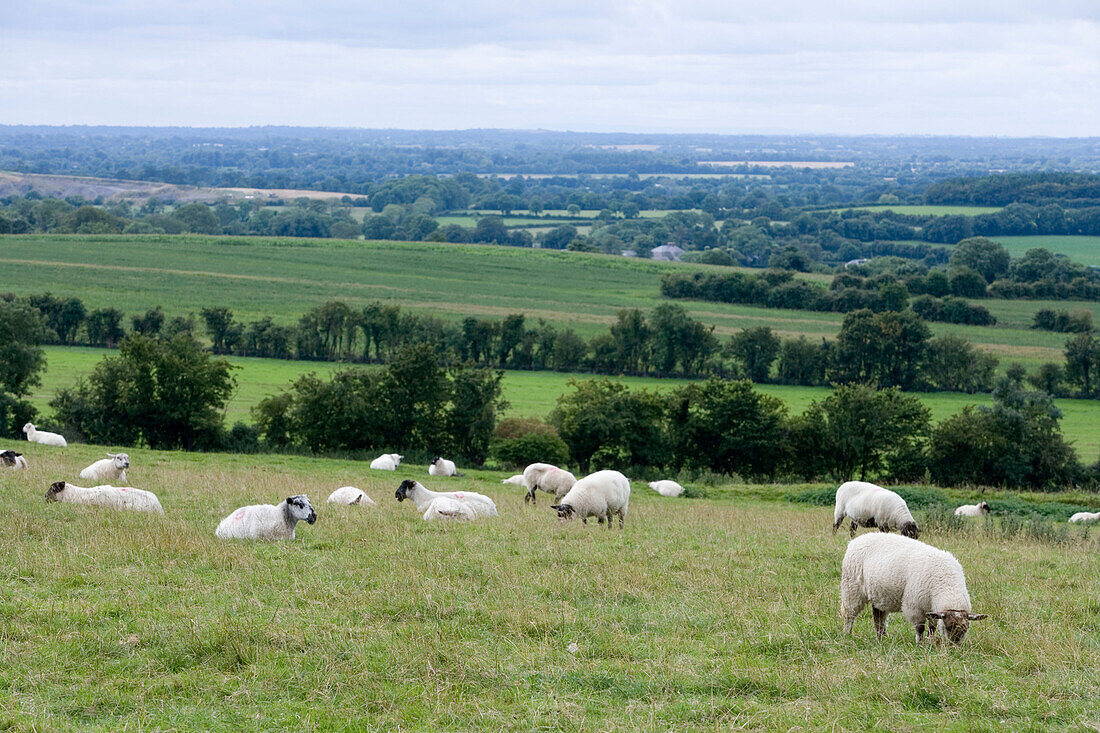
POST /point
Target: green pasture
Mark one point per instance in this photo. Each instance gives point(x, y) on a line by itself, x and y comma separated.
point(1083, 249)
point(709, 614)
point(927, 210)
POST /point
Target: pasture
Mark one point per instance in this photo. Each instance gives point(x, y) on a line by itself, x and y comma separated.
point(1085, 250)
point(704, 614)
point(927, 209)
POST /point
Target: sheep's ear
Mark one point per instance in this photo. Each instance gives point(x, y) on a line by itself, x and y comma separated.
point(555, 507)
point(112, 455)
point(937, 616)
point(977, 616)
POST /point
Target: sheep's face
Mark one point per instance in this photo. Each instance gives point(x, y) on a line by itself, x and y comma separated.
point(28, 428)
point(955, 623)
point(121, 460)
point(565, 511)
point(396, 458)
point(911, 530)
point(299, 508)
point(403, 490)
point(435, 461)
point(55, 488)
point(983, 507)
point(8, 457)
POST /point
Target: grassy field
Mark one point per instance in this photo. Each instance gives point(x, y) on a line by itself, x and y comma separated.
point(704, 614)
point(1085, 250)
point(928, 210)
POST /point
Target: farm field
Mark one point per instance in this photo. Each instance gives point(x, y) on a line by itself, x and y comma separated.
point(703, 614)
point(1085, 250)
point(927, 209)
point(528, 393)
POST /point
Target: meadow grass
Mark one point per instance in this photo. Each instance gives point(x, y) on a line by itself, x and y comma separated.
point(704, 614)
point(1083, 249)
point(927, 209)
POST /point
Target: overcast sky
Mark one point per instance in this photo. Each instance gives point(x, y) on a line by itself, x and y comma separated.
point(1010, 67)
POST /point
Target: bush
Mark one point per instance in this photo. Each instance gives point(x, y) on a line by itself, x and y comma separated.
point(523, 450)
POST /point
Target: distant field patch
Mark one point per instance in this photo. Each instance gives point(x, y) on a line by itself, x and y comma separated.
point(1085, 250)
point(921, 210)
point(814, 164)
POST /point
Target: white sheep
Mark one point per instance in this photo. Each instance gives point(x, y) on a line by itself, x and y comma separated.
point(895, 573)
point(12, 459)
point(266, 521)
point(548, 478)
point(517, 480)
point(112, 497)
point(1085, 517)
point(442, 467)
point(972, 510)
point(386, 462)
point(867, 505)
point(445, 507)
point(349, 495)
point(43, 437)
point(601, 495)
point(112, 468)
point(666, 487)
point(479, 504)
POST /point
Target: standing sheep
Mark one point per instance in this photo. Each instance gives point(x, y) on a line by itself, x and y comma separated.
point(112, 468)
point(972, 510)
point(267, 522)
point(1085, 517)
point(442, 467)
point(112, 497)
point(867, 505)
point(601, 495)
point(11, 459)
point(386, 462)
point(423, 498)
point(348, 495)
point(548, 478)
point(895, 573)
point(43, 437)
point(666, 487)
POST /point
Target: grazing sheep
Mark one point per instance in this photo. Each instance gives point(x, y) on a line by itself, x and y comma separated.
point(108, 469)
point(867, 505)
point(518, 480)
point(112, 497)
point(972, 510)
point(386, 462)
point(1085, 517)
point(550, 479)
point(349, 495)
point(267, 522)
point(601, 495)
point(43, 437)
point(666, 487)
point(479, 504)
point(11, 459)
point(895, 573)
point(442, 467)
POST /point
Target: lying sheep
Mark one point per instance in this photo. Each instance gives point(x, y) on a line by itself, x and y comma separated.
point(267, 522)
point(895, 573)
point(972, 510)
point(1085, 517)
point(446, 508)
point(112, 497)
point(11, 459)
point(517, 480)
point(479, 504)
point(112, 468)
point(386, 462)
point(442, 467)
point(867, 505)
point(43, 437)
point(666, 487)
point(349, 495)
point(601, 495)
point(548, 478)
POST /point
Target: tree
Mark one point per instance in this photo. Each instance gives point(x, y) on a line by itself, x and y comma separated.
point(756, 349)
point(104, 327)
point(803, 362)
point(966, 283)
point(988, 258)
point(476, 403)
point(952, 364)
point(197, 218)
point(1083, 363)
point(630, 336)
point(219, 323)
point(150, 324)
point(22, 331)
point(605, 423)
point(675, 337)
point(881, 349)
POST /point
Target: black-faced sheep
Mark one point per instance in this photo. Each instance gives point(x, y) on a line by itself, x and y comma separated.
point(12, 459)
point(602, 494)
point(972, 510)
point(423, 498)
point(548, 478)
point(112, 497)
point(867, 505)
point(267, 521)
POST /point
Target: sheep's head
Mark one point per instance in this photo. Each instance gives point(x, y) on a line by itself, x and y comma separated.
point(435, 461)
point(911, 530)
point(298, 507)
point(403, 490)
point(396, 458)
point(55, 488)
point(28, 427)
point(121, 460)
point(565, 511)
point(955, 623)
point(984, 507)
point(8, 457)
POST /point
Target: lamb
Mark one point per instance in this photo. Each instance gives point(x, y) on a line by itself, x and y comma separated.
point(386, 462)
point(112, 497)
point(550, 479)
point(43, 437)
point(349, 495)
point(867, 505)
point(1085, 517)
point(424, 498)
point(112, 468)
point(972, 510)
point(666, 487)
point(11, 459)
point(442, 467)
point(599, 494)
point(267, 522)
point(895, 573)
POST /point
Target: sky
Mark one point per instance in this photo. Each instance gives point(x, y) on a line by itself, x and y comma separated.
point(938, 67)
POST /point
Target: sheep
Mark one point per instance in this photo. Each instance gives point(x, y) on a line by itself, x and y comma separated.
point(442, 467)
point(43, 437)
point(1085, 517)
point(479, 504)
point(550, 479)
point(517, 480)
point(666, 487)
point(11, 459)
point(386, 462)
point(895, 573)
point(447, 508)
point(349, 495)
point(112, 468)
point(599, 494)
point(267, 522)
point(972, 510)
point(867, 505)
point(112, 497)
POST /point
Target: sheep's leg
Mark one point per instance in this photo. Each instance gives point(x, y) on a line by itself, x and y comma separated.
point(529, 497)
point(609, 519)
point(918, 629)
point(880, 622)
point(621, 518)
point(852, 527)
point(837, 523)
point(849, 610)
